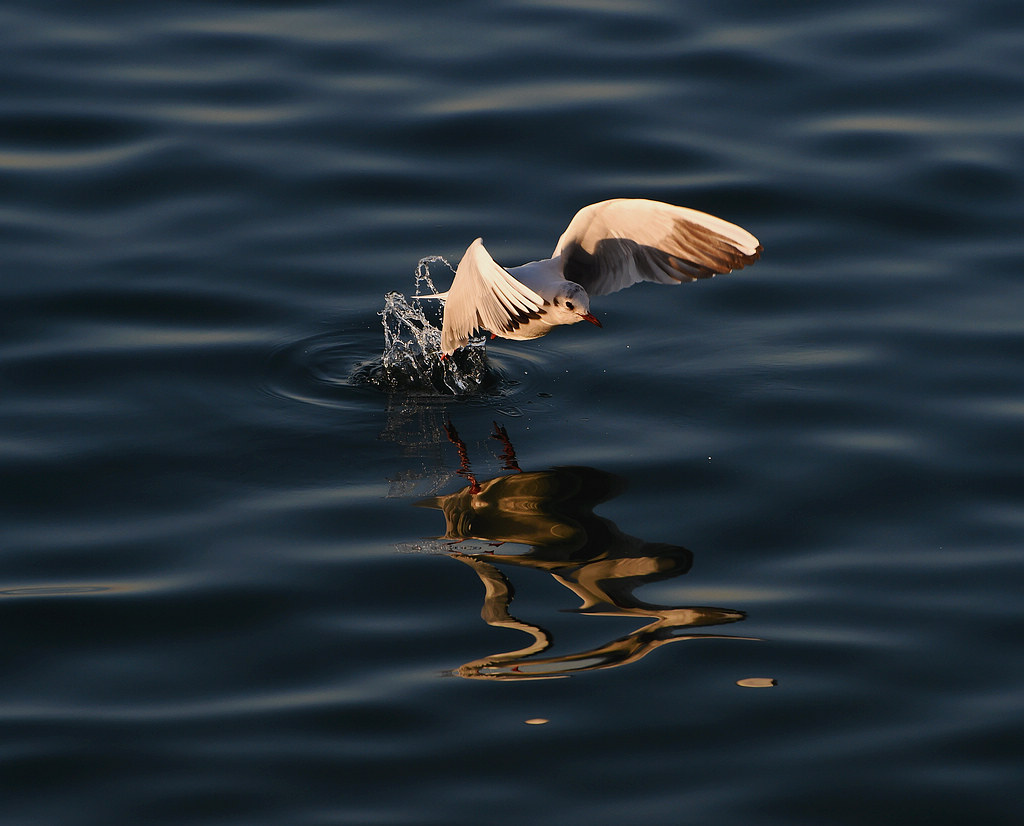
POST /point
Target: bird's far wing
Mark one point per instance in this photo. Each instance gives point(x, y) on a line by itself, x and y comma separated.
point(484, 296)
point(614, 244)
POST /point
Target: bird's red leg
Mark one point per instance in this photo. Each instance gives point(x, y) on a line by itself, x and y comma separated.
point(508, 453)
point(465, 471)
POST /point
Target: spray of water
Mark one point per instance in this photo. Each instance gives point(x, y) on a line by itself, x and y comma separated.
point(411, 361)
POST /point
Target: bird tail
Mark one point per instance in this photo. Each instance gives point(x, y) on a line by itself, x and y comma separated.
point(443, 296)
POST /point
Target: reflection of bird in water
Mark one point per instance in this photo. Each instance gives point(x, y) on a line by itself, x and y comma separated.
point(552, 512)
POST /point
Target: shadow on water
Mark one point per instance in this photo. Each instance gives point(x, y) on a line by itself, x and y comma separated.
point(551, 512)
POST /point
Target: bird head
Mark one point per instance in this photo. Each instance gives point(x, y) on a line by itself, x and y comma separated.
point(571, 304)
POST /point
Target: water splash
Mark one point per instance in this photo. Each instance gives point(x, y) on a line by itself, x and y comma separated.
point(411, 361)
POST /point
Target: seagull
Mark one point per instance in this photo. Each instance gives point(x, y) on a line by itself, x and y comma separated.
point(607, 246)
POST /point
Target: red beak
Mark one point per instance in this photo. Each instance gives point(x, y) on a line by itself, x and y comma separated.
point(590, 317)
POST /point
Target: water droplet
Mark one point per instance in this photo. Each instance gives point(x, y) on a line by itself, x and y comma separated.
point(411, 360)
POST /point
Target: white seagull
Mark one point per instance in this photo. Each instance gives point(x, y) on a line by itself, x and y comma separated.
point(607, 246)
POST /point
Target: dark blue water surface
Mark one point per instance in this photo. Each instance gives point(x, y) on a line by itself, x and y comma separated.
point(222, 595)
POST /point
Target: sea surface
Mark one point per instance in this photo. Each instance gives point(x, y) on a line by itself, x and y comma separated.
point(244, 581)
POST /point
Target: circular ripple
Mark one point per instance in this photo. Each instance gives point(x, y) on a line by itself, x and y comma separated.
point(339, 369)
point(321, 369)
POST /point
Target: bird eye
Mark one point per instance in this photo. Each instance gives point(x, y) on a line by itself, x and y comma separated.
point(568, 305)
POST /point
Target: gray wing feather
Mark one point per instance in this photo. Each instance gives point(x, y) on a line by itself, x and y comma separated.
point(614, 244)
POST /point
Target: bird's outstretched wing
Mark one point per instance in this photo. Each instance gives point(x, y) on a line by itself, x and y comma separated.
point(484, 296)
point(614, 244)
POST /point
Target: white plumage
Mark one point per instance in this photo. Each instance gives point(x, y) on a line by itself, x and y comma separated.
point(607, 246)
